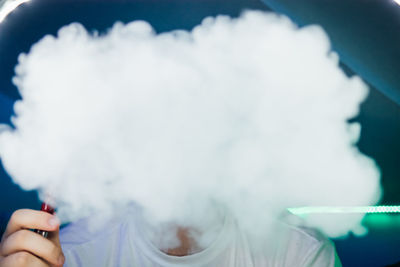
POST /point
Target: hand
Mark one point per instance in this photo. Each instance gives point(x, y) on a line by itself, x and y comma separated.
point(21, 247)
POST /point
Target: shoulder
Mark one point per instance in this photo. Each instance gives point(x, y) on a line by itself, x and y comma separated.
point(89, 243)
point(309, 247)
point(88, 231)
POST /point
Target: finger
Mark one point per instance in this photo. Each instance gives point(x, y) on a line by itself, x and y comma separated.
point(54, 237)
point(31, 219)
point(21, 259)
point(25, 240)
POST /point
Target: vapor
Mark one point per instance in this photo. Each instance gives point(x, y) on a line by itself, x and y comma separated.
point(246, 114)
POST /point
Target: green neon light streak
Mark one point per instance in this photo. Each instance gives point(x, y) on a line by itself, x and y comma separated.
point(361, 209)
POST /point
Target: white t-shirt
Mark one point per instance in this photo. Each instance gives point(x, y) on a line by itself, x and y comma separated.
point(122, 242)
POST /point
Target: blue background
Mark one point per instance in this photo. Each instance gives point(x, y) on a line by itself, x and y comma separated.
point(365, 33)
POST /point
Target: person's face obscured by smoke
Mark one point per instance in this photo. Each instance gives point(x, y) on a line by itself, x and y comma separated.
point(247, 114)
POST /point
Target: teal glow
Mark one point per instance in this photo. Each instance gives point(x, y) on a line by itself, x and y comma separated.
point(360, 209)
point(382, 221)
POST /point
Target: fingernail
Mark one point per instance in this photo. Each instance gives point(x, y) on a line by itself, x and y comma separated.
point(54, 221)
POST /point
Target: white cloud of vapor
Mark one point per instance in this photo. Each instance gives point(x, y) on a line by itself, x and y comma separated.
point(249, 114)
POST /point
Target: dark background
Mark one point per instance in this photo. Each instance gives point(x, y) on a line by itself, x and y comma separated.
point(365, 33)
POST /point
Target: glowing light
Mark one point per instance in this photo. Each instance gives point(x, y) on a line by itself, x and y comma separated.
point(364, 209)
point(397, 1)
point(9, 7)
point(382, 220)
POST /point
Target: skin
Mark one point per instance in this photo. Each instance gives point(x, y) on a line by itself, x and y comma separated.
point(187, 246)
point(21, 247)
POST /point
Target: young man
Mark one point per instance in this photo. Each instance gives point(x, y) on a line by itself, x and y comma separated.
point(124, 241)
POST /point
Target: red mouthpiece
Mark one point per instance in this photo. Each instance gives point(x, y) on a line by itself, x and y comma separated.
point(47, 208)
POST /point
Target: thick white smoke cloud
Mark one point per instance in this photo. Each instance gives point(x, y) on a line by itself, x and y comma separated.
point(248, 114)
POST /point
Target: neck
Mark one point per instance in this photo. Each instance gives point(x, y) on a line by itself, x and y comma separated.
point(187, 244)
